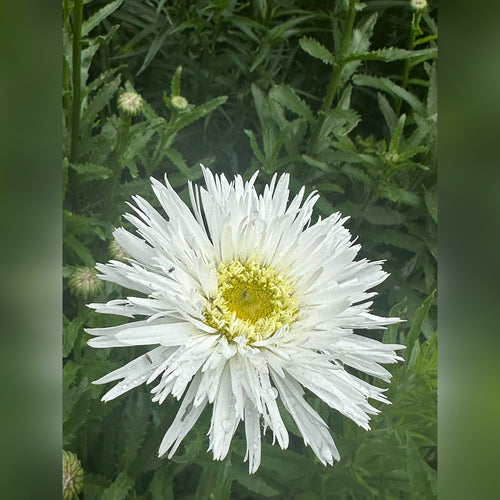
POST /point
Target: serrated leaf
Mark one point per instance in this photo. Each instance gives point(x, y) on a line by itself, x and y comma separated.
point(417, 471)
point(70, 332)
point(383, 216)
point(70, 371)
point(81, 251)
point(390, 54)
point(315, 49)
point(397, 134)
point(155, 46)
point(389, 116)
point(96, 19)
point(199, 112)
point(256, 484)
point(358, 174)
point(176, 158)
point(329, 186)
point(175, 86)
point(432, 204)
point(119, 488)
point(387, 85)
point(261, 56)
point(290, 100)
point(416, 323)
point(90, 171)
point(255, 147)
point(101, 98)
point(399, 195)
point(320, 165)
point(361, 35)
point(397, 311)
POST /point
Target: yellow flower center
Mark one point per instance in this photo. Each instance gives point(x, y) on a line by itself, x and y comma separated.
point(252, 300)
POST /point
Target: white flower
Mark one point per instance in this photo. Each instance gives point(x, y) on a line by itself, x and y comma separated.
point(247, 302)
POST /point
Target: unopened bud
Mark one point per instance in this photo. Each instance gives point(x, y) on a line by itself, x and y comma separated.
point(84, 282)
point(117, 251)
point(130, 103)
point(179, 103)
point(418, 4)
point(72, 472)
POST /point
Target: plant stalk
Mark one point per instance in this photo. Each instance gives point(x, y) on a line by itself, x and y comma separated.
point(415, 29)
point(336, 73)
point(76, 77)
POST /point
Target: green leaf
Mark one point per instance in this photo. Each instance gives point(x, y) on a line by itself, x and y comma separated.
point(397, 311)
point(199, 112)
point(101, 98)
point(390, 87)
point(70, 332)
point(255, 147)
point(155, 46)
point(119, 488)
point(399, 195)
point(389, 116)
point(96, 19)
point(383, 216)
point(416, 325)
point(80, 250)
point(397, 134)
point(431, 203)
point(290, 100)
point(253, 483)
point(392, 54)
point(320, 165)
point(176, 158)
point(417, 471)
point(329, 186)
point(315, 49)
point(175, 86)
point(91, 172)
point(70, 371)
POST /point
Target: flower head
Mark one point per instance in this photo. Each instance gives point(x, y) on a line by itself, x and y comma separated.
point(72, 475)
point(179, 103)
point(247, 301)
point(84, 282)
point(130, 103)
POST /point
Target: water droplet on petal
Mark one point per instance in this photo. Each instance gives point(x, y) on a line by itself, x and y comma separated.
point(226, 425)
point(273, 392)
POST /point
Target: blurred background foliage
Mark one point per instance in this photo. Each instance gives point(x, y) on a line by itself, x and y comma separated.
point(343, 96)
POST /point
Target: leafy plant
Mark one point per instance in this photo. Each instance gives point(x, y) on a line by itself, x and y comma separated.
point(343, 97)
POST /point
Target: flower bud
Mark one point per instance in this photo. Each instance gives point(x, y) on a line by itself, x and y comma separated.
point(72, 472)
point(117, 251)
point(418, 4)
point(130, 103)
point(179, 103)
point(84, 282)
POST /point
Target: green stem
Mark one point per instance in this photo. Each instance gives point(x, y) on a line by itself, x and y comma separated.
point(415, 29)
point(77, 53)
point(336, 73)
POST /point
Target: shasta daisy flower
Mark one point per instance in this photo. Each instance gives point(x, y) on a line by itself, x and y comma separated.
point(247, 302)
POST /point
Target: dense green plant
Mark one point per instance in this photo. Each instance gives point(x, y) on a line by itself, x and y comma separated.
point(343, 96)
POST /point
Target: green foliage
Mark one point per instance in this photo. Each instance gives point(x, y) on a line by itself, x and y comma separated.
point(342, 96)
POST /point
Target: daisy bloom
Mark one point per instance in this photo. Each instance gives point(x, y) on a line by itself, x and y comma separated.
point(247, 302)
